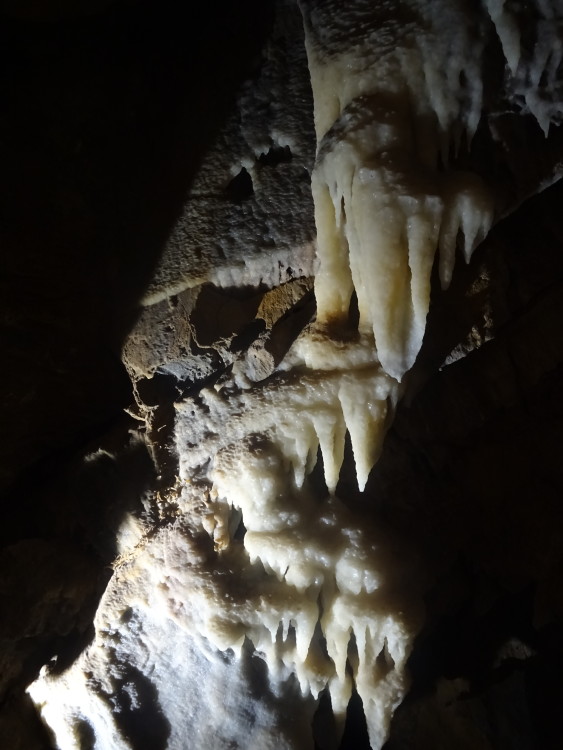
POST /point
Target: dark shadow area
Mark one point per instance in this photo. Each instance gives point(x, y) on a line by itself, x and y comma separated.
point(85, 735)
point(499, 670)
point(103, 488)
point(21, 728)
point(105, 120)
point(138, 713)
point(466, 643)
point(240, 187)
point(355, 735)
point(276, 155)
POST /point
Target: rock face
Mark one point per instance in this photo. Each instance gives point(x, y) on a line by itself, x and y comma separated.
point(270, 587)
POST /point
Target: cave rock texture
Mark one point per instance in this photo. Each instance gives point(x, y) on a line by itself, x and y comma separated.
point(285, 449)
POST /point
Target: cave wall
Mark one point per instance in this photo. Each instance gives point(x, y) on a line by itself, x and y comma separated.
point(140, 184)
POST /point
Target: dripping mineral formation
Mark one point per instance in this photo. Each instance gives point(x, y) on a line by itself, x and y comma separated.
point(259, 570)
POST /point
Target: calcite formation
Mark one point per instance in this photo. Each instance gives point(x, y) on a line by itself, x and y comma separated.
point(390, 115)
point(254, 561)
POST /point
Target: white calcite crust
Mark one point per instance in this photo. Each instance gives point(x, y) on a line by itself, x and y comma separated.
point(310, 405)
point(149, 680)
point(328, 595)
point(398, 94)
point(397, 90)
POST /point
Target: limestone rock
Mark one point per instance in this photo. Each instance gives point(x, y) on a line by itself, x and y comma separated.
point(267, 584)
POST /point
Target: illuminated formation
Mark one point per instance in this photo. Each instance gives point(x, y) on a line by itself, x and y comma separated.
point(258, 558)
point(326, 594)
point(394, 103)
